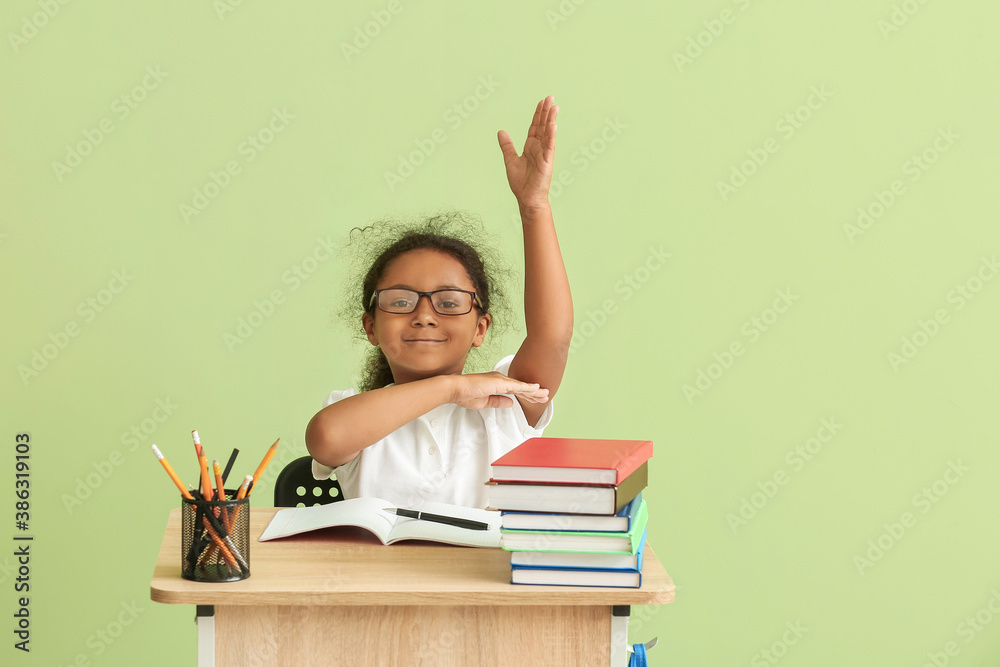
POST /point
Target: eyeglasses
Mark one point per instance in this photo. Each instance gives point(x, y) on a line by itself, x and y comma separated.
point(444, 301)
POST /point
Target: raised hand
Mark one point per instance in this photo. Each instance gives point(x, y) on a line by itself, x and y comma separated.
point(483, 390)
point(530, 173)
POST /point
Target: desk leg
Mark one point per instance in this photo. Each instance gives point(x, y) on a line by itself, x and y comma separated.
point(205, 619)
point(619, 635)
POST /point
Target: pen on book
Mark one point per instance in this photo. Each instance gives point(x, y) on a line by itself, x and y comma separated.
point(439, 518)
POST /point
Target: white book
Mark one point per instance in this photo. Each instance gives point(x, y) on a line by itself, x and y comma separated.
point(370, 514)
point(619, 523)
point(576, 578)
point(575, 560)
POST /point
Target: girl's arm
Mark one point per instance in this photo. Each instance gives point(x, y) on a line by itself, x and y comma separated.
point(548, 304)
point(338, 432)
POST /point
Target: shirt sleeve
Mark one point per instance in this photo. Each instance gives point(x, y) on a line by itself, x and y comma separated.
point(320, 471)
point(514, 416)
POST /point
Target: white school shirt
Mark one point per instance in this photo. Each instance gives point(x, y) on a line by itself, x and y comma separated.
point(443, 455)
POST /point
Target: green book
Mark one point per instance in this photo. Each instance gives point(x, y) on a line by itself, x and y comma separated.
point(578, 541)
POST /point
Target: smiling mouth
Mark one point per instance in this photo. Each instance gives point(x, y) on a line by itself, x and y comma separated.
point(424, 340)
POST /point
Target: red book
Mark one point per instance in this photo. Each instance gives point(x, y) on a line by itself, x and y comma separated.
point(572, 461)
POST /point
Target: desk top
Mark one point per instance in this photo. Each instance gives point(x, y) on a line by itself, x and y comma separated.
point(349, 566)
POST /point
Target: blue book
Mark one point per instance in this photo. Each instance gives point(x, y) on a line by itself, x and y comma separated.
point(619, 523)
point(576, 576)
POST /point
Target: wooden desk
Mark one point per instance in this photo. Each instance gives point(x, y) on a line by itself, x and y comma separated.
point(338, 596)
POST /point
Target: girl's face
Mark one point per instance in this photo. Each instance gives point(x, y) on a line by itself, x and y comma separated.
point(423, 343)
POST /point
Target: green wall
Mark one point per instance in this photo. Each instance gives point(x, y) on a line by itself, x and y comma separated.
point(779, 223)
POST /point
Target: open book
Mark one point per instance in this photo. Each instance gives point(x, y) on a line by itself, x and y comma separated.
point(369, 513)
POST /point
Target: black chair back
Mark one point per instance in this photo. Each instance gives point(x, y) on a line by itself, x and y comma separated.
point(295, 486)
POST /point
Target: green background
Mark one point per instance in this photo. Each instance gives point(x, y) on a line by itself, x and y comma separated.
point(888, 92)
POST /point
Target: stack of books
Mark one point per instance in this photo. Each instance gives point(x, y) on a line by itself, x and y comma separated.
point(572, 511)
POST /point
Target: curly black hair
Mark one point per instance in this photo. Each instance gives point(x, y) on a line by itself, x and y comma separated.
point(456, 233)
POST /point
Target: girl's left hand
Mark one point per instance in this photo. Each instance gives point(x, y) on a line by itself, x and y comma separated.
point(530, 173)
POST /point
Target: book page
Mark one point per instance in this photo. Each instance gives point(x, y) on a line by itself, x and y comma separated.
point(417, 529)
point(361, 512)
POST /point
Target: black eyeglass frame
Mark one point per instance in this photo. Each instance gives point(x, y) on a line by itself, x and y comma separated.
point(430, 296)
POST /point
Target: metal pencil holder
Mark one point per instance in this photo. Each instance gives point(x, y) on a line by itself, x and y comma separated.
point(215, 538)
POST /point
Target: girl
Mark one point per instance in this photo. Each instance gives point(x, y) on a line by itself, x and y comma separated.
point(423, 430)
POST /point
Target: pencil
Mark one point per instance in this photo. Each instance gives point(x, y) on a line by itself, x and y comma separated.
point(220, 495)
point(198, 451)
point(170, 471)
point(206, 481)
point(187, 495)
point(240, 495)
point(263, 464)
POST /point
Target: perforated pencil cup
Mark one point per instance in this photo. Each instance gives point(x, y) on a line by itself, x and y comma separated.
point(215, 538)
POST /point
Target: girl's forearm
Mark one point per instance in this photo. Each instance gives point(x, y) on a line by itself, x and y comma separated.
point(548, 304)
point(340, 430)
